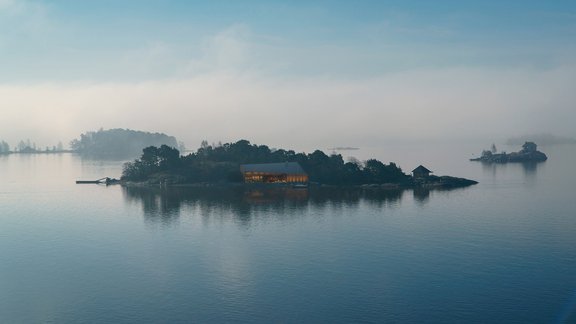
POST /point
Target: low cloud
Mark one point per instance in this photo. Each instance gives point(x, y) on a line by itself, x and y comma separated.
point(302, 112)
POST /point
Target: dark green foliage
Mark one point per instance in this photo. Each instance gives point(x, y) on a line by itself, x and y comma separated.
point(119, 143)
point(381, 173)
point(221, 163)
point(332, 170)
point(153, 160)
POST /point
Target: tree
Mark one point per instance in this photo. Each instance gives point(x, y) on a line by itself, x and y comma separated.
point(4, 147)
point(22, 146)
point(222, 163)
point(169, 158)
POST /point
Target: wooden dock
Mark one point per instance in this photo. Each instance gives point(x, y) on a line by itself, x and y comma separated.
point(106, 181)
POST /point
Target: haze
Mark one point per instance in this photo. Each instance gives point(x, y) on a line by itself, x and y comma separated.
point(309, 74)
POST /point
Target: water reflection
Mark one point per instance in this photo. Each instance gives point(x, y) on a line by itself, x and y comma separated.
point(158, 205)
point(421, 195)
point(165, 205)
point(529, 169)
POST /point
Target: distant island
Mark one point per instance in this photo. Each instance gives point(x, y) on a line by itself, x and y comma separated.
point(112, 143)
point(28, 147)
point(243, 162)
point(528, 153)
point(118, 143)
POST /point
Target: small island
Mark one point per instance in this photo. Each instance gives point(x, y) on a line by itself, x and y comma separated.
point(528, 153)
point(250, 164)
point(118, 143)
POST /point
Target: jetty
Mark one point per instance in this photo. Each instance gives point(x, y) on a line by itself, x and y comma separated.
point(106, 181)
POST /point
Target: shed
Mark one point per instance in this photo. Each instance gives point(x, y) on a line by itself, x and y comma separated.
point(421, 172)
point(286, 172)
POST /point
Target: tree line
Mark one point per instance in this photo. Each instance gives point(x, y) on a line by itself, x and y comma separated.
point(221, 163)
point(116, 143)
point(26, 146)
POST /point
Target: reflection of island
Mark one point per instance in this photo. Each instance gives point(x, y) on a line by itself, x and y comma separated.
point(421, 195)
point(528, 153)
point(528, 169)
point(166, 204)
point(245, 205)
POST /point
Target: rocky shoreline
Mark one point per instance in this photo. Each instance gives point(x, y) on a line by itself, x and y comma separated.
point(430, 182)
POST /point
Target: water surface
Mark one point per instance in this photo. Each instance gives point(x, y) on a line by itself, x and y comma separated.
point(500, 251)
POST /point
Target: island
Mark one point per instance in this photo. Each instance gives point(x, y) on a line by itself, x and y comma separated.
point(528, 153)
point(258, 165)
point(118, 143)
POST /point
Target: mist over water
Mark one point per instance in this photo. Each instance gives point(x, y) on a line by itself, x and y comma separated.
point(415, 106)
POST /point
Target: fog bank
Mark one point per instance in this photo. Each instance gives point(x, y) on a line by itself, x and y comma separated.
point(443, 104)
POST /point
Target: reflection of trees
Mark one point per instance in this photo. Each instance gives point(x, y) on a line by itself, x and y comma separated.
point(244, 204)
point(530, 168)
point(157, 205)
point(352, 196)
point(421, 195)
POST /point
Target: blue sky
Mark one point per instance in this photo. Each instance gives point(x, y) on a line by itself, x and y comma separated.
point(95, 40)
point(69, 54)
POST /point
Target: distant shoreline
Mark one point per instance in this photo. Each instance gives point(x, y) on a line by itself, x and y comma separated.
point(38, 152)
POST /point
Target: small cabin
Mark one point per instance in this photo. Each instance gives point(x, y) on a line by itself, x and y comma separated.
point(287, 172)
point(421, 172)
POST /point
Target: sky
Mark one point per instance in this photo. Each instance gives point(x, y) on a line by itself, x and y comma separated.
point(290, 74)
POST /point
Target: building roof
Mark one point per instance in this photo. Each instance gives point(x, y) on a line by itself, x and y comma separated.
point(277, 168)
point(421, 168)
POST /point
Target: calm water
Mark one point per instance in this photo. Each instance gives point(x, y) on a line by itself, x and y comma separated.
point(501, 251)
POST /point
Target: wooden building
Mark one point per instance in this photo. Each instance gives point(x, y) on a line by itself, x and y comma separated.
point(287, 172)
point(421, 172)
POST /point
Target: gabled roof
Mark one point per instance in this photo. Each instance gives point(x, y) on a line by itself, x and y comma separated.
point(277, 168)
point(421, 168)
